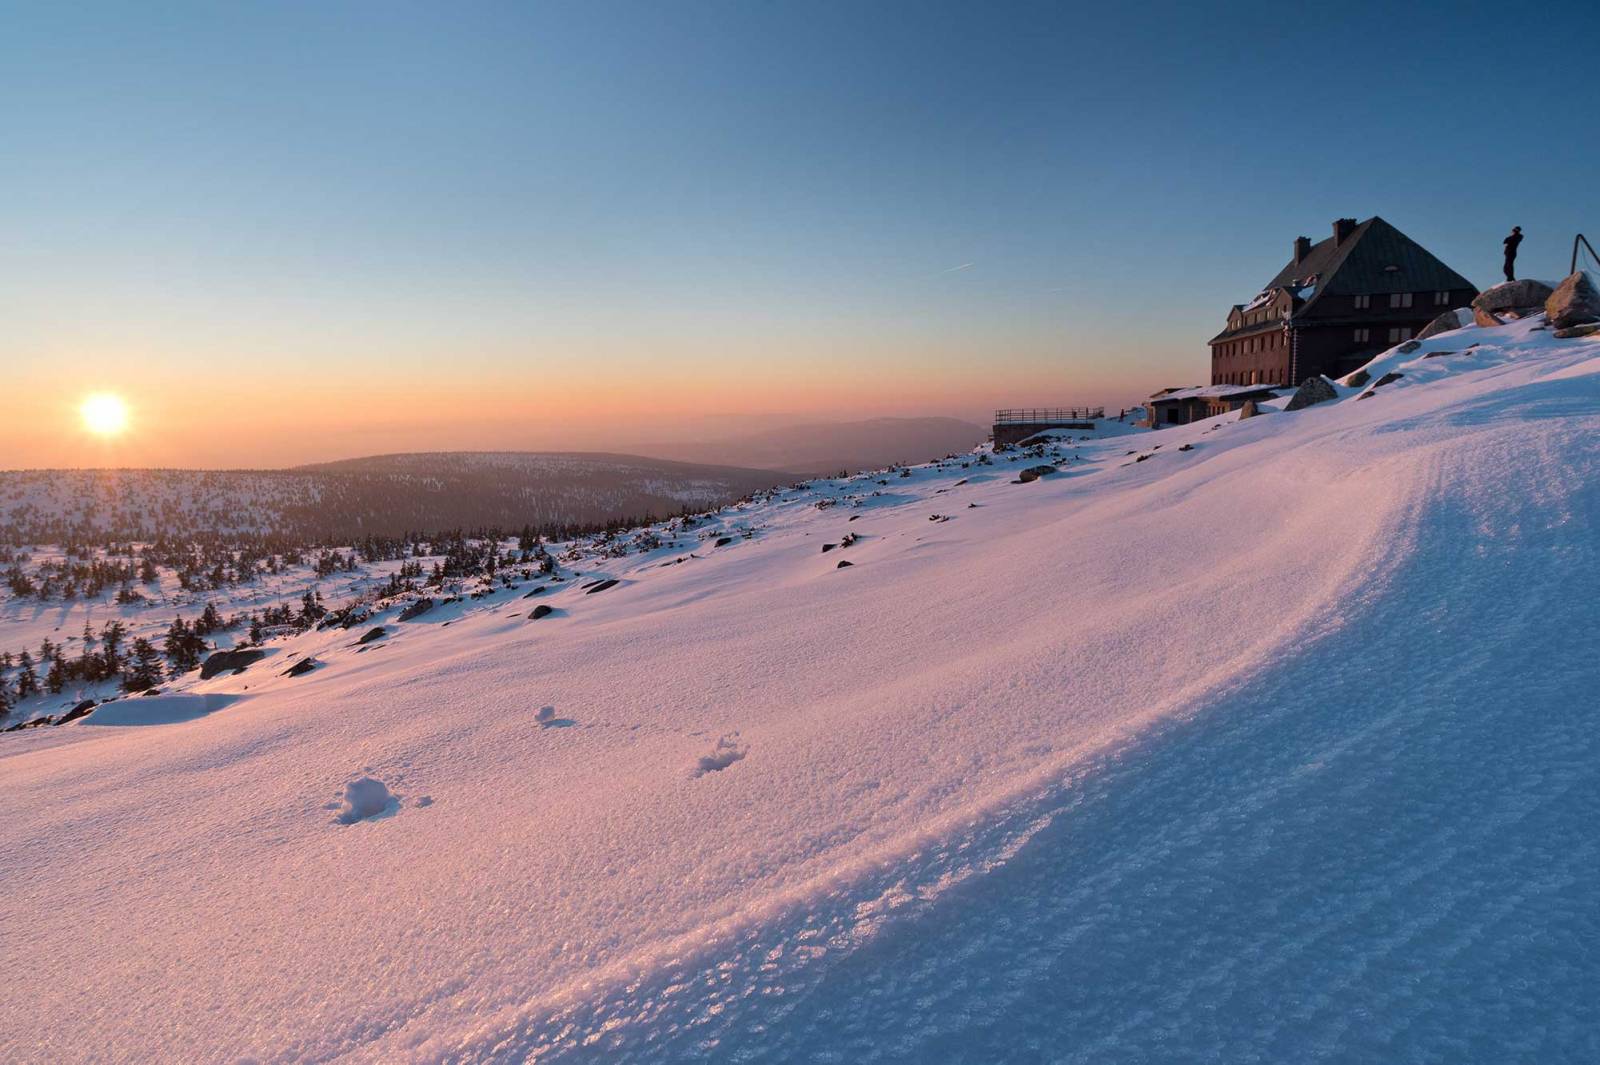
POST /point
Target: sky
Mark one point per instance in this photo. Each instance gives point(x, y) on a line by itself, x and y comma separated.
point(288, 232)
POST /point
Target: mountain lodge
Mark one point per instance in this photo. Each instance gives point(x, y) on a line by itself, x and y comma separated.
point(1335, 305)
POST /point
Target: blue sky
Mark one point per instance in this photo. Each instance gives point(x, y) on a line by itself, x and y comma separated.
point(818, 207)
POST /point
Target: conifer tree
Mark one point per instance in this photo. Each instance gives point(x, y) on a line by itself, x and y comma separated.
point(111, 648)
point(27, 682)
point(56, 679)
point(144, 671)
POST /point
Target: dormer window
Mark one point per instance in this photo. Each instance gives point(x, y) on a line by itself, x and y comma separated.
point(1363, 302)
point(1399, 299)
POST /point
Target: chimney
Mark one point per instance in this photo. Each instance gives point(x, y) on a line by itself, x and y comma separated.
point(1302, 248)
point(1342, 228)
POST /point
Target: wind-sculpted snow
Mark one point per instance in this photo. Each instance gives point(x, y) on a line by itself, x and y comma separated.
point(1272, 749)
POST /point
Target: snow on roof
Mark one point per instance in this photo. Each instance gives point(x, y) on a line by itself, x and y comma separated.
point(1213, 391)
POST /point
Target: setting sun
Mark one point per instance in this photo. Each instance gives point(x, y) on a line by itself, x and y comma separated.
point(104, 414)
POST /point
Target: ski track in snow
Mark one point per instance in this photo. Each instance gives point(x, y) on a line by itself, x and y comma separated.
point(1315, 866)
point(1274, 750)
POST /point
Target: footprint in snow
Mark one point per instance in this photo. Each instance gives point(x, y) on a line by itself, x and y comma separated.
point(725, 753)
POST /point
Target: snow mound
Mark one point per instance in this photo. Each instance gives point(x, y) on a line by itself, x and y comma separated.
point(365, 799)
point(158, 709)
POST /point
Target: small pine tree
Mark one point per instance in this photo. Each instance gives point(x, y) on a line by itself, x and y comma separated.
point(56, 679)
point(111, 648)
point(144, 671)
point(27, 682)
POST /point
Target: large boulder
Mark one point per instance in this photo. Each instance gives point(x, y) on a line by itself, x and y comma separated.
point(1575, 301)
point(1247, 410)
point(1510, 299)
point(1312, 390)
point(1447, 321)
point(235, 661)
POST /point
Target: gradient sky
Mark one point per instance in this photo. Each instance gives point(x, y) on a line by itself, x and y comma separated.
point(299, 231)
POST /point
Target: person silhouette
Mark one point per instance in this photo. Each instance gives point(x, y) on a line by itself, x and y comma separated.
point(1511, 243)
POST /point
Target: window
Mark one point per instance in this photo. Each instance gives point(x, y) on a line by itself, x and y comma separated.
point(1363, 302)
point(1441, 299)
point(1363, 335)
point(1399, 334)
point(1399, 299)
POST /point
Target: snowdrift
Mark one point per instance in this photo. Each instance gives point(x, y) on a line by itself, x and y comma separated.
point(768, 785)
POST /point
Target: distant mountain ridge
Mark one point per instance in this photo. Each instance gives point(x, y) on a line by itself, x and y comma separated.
point(372, 495)
point(828, 447)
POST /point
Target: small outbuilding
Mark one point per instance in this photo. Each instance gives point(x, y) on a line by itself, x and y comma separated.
point(1180, 406)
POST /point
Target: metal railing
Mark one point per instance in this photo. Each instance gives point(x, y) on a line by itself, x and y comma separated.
point(1047, 415)
point(1580, 238)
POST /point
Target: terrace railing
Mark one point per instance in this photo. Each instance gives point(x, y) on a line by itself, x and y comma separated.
point(1047, 415)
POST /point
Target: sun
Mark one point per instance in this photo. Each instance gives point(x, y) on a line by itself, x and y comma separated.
point(104, 414)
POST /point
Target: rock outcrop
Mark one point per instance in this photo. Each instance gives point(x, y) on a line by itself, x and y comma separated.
point(83, 709)
point(1509, 300)
point(1445, 322)
point(416, 610)
point(1576, 301)
point(1311, 391)
point(235, 661)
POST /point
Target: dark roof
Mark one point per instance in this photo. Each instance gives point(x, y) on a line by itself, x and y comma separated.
point(1203, 392)
point(1362, 265)
point(1271, 325)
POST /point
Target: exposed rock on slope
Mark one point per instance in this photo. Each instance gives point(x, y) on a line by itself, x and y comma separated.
point(1313, 390)
point(1510, 299)
point(1576, 301)
point(1446, 322)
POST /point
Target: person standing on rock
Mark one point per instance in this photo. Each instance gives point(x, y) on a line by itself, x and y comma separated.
point(1511, 243)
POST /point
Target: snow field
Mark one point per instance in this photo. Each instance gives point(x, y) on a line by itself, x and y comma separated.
point(999, 780)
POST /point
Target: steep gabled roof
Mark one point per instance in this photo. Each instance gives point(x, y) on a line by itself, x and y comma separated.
point(1376, 258)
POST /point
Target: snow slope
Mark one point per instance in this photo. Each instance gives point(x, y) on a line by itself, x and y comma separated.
point(1275, 748)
